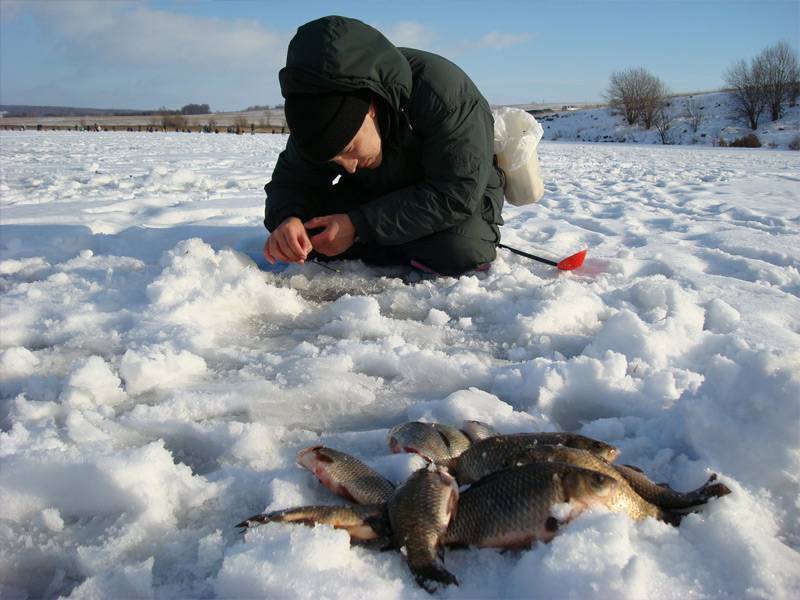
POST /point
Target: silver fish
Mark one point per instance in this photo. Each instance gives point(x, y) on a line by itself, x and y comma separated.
point(477, 430)
point(419, 513)
point(345, 475)
point(435, 442)
point(363, 522)
point(499, 452)
point(518, 506)
point(623, 499)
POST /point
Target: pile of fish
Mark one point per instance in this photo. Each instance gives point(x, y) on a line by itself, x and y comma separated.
point(522, 488)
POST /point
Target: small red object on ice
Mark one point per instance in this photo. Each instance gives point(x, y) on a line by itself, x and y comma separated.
point(572, 262)
point(568, 264)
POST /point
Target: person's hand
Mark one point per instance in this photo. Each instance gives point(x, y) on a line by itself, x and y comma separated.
point(288, 243)
point(337, 235)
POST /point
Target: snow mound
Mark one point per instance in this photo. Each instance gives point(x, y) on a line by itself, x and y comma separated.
point(262, 567)
point(198, 281)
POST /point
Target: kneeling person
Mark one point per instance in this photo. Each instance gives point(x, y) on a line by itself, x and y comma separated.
point(390, 156)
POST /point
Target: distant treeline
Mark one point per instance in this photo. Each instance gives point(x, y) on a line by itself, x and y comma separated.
point(21, 110)
point(258, 107)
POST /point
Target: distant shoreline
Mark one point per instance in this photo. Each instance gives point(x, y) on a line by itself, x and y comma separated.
point(274, 122)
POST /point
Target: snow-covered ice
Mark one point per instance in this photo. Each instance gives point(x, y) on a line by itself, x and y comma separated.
point(156, 384)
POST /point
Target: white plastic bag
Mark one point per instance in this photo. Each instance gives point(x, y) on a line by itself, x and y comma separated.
point(516, 135)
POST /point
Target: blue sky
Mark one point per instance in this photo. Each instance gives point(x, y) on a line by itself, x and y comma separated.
point(227, 53)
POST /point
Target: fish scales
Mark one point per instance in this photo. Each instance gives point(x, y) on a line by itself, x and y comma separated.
point(361, 521)
point(435, 442)
point(419, 513)
point(513, 508)
point(624, 499)
point(477, 430)
point(345, 475)
point(499, 452)
point(457, 440)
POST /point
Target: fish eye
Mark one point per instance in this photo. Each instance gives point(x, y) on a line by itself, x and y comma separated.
point(602, 484)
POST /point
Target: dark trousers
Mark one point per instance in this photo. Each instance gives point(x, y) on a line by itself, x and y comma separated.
point(461, 248)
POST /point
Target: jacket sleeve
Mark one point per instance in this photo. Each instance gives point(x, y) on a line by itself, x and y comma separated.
point(296, 188)
point(457, 154)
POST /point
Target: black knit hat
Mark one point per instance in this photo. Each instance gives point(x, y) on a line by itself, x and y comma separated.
point(323, 124)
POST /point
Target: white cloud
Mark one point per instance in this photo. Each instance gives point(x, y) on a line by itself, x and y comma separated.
point(133, 34)
point(497, 40)
point(409, 33)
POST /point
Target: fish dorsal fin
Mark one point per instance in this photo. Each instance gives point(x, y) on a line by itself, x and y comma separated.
point(443, 436)
point(488, 479)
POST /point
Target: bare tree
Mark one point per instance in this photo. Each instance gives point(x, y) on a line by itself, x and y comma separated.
point(794, 91)
point(747, 81)
point(663, 124)
point(781, 70)
point(173, 121)
point(240, 123)
point(653, 100)
point(637, 94)
point(693, 114)
point(621, 93)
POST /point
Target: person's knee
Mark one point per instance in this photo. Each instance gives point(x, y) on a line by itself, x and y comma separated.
point(451, 254)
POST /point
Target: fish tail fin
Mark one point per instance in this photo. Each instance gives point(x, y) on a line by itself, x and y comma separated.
point(430, 576)
point(254, 520)
point(672, 517)
point(711, 489)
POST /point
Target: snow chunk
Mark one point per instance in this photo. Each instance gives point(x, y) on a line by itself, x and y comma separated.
point(25, 267)
point(156, 368)
point(92, 384)
point(17, 361)
point(51, 519)
point(132, 581)
point(182, 178)
point(604, 429)
point(143, 484)
point(257, 445)
point(356, 317)
point(721, 317)
point(288, 561)
point(474, 404)
point(398, 467)
point(437, 317)
point(206, 288)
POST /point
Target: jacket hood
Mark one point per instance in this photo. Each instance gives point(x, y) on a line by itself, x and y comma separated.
point(342, 54)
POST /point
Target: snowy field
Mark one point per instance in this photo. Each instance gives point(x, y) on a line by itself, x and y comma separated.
point(155, 384)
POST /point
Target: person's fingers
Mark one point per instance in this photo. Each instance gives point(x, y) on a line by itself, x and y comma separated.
point(268, 253)
point(326, 236)
point(328, 248)
point(285, 250)
point(315, 222)
point(293, 242)
point(305, 243)
point(276, 251)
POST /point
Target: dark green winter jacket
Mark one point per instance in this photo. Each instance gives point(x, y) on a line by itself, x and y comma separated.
point(436, 131)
